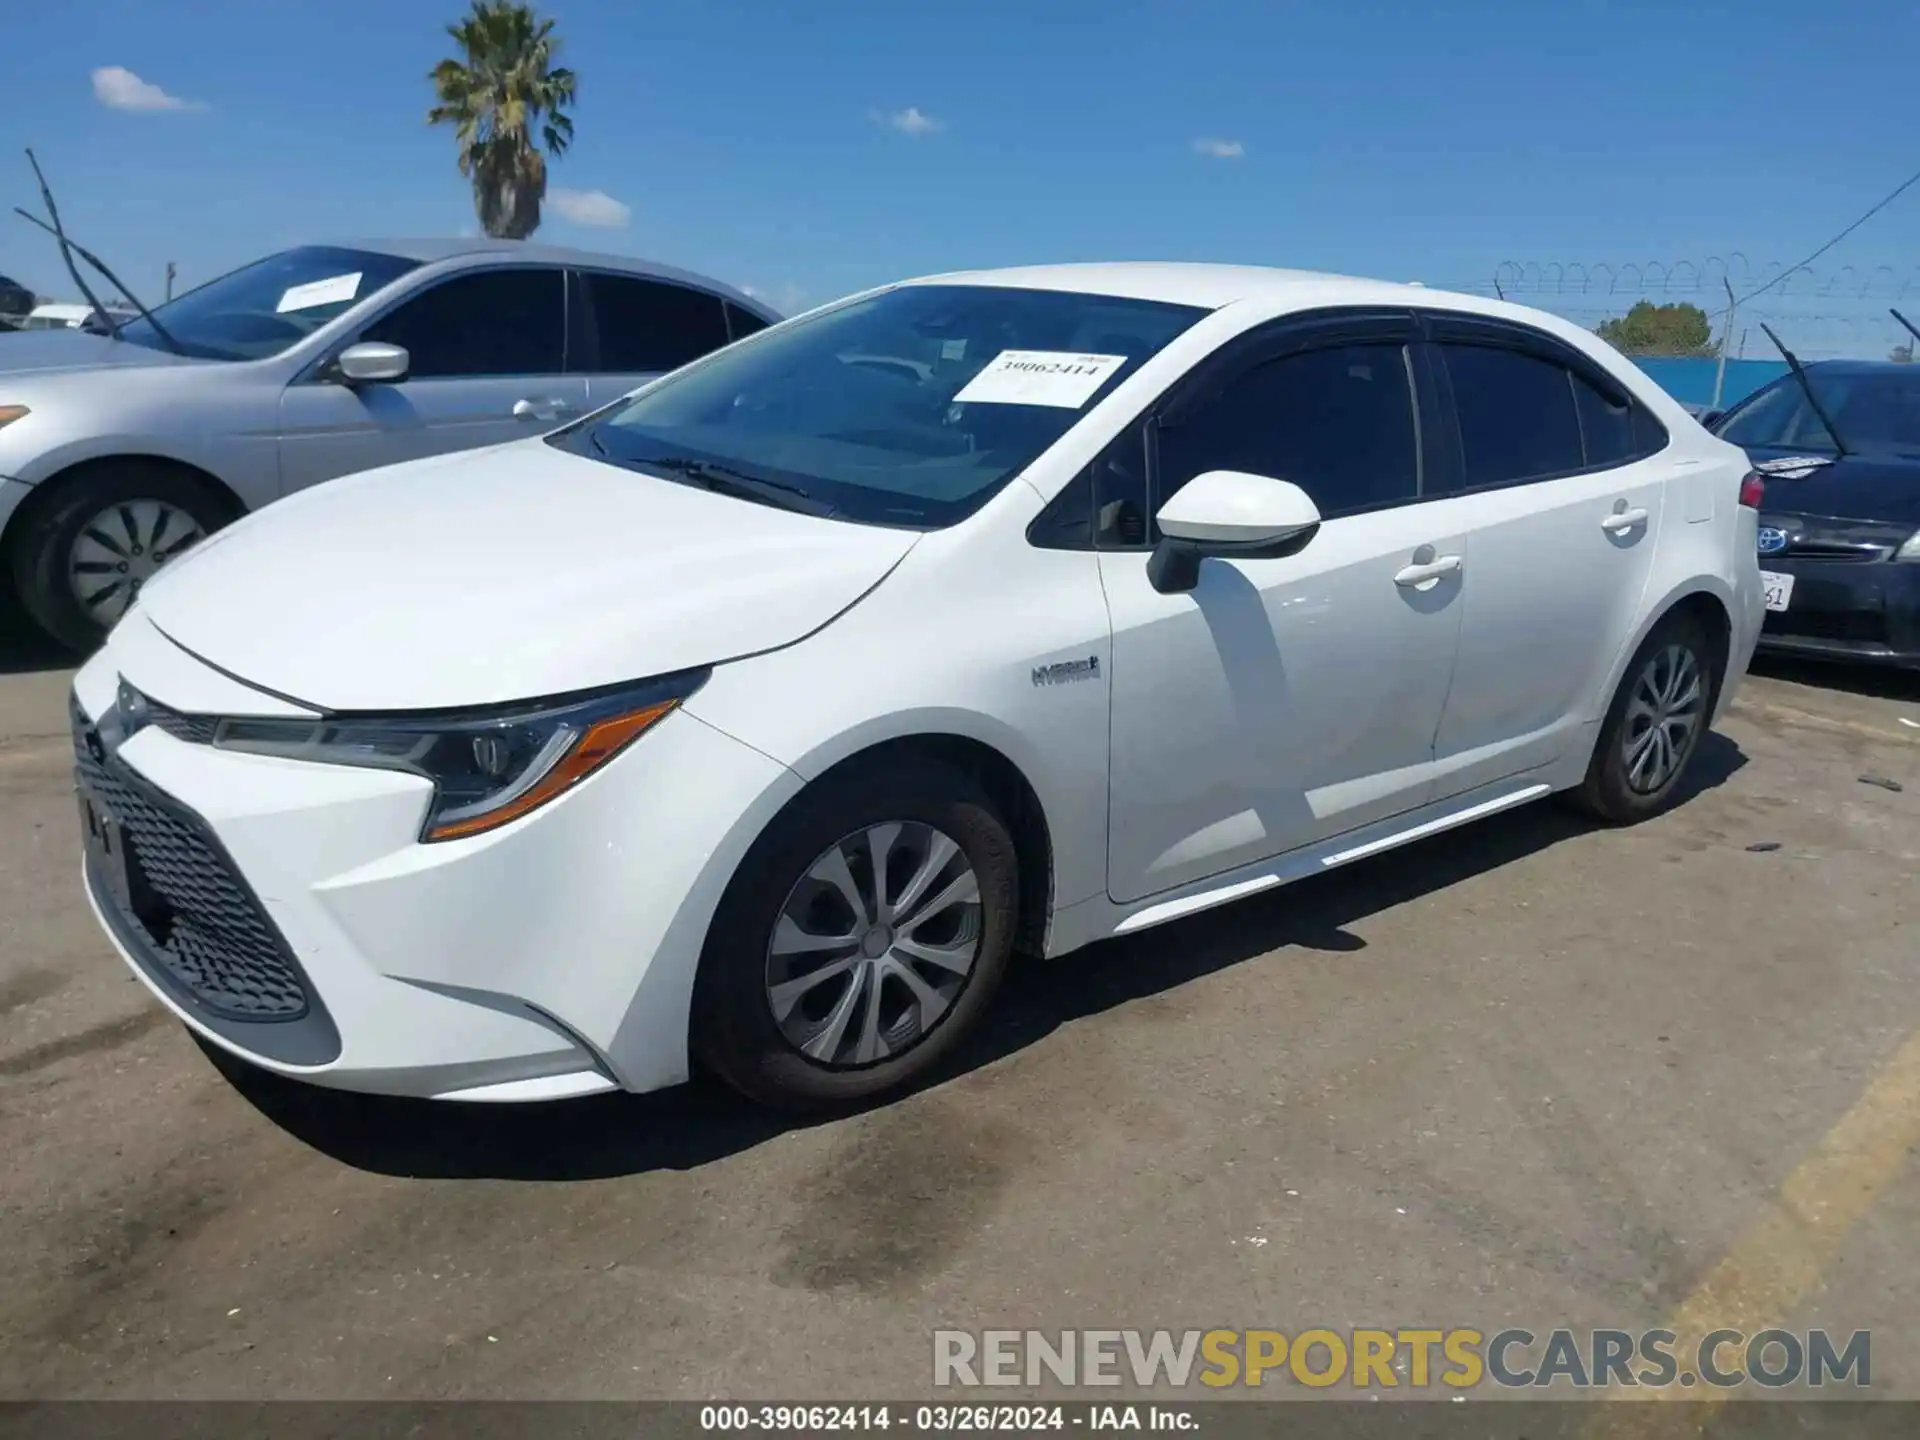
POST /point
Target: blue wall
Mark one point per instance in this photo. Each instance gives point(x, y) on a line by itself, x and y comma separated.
point(1691, 381)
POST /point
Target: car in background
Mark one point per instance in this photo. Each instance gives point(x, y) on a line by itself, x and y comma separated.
point(56, 315)
point(122, 445)
point(16, 303)
point(1839, 533)
point(759, 717)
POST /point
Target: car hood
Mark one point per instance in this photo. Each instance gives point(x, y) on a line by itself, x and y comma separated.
point(511, 573)
point(41, 352)
point(1850, 487)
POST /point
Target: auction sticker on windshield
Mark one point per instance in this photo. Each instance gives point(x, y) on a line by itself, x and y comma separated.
point(1039, 377)
point(330, 291)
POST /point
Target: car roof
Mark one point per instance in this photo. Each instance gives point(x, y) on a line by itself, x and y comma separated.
point(1213, 287)
point(429, 250)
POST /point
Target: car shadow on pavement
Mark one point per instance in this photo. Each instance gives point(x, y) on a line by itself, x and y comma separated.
point(1879, 682)
point(693, 1125)
point(23, 649)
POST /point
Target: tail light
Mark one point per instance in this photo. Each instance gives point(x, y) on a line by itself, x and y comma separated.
point(1753, 490)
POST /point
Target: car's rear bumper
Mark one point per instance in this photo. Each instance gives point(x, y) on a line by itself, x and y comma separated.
point(1862, 611)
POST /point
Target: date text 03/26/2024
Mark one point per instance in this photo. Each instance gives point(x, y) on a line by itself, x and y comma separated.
point(1004, 1419)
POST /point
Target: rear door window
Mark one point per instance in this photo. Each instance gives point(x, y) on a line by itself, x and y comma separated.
point(742, 323)
point(650, 325)
point(1516, 414)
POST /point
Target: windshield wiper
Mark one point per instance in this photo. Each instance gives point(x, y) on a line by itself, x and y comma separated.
point(68, 249)
point(724, 480)
point(1910, 330)
point(1806, 388)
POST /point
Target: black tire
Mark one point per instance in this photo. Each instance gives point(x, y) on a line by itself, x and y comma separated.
point(735, 1034)
point(39, 553)
point(1608, 793)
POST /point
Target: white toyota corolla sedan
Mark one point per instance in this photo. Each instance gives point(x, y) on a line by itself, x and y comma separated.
point(755, 721)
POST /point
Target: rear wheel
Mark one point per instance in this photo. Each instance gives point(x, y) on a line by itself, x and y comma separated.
point(861, 939)
point(81, 565)
point(1654, 725)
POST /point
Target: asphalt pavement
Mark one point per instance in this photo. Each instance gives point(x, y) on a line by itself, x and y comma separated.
point(1530, 1073)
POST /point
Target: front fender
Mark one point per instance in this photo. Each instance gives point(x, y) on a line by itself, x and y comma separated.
point(45, 462)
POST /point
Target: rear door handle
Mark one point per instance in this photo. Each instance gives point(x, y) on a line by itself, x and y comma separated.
point(1621, 520)
point(1415, 576)
point(542, 409)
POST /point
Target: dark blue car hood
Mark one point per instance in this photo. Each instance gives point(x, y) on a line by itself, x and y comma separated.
point(1850, 487)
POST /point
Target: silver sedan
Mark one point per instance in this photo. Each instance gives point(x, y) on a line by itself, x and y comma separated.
point(123, 443)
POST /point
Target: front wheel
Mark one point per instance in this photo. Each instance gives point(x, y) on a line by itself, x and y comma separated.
point(1655, 724)
point(82, 564)
point(860, 940)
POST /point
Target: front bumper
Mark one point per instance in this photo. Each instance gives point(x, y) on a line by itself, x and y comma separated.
point(1857, 610)
point(303, 927)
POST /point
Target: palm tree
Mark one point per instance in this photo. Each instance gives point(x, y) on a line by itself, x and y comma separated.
point(505, 89)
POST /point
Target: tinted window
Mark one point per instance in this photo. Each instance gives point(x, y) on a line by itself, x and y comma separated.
point(742, 323)
point(1606, 427)
point(262, 308)
point(1337, 422)
point(1615, 433)
point(1517, 419)
point(1649, 435)
point(491, 322)
point(909, 407)
point(1875, 411)
point(647, 325)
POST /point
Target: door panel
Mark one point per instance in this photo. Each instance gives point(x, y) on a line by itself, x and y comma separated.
point(1560, 569)
point(1560, 562)
point(1280, 702)
point(330, 429)
point(487, 350)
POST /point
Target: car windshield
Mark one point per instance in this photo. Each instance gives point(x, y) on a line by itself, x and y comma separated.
point(262, 308)
point(1873, 410)
point(910, 407)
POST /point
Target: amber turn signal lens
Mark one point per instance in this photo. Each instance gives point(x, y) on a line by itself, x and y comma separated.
point(11, 413)
point(601, 741)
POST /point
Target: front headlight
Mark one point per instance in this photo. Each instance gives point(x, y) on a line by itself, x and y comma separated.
point(1910, 550)
point(487, 767)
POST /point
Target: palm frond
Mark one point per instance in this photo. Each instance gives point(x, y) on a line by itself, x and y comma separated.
point(504, 89)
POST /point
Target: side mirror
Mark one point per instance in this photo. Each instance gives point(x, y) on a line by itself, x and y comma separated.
point(1229, 514)
point(373, 362)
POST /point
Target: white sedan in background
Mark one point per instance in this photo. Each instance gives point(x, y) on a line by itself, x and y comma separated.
point(756, 720)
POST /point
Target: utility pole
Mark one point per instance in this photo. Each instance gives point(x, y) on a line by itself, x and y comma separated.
point(170, 275)
point(1726, 339)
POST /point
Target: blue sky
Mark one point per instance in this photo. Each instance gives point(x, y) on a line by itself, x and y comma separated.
point(810, 150)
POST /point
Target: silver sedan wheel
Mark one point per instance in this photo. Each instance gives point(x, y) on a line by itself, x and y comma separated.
point(1664, 713)
point(874, 944)
point(118, 551)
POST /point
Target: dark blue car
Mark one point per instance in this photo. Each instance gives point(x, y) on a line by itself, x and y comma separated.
point(1840, 525)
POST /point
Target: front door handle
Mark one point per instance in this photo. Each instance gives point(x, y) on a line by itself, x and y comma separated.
point(1414, 576)
point(1621, 520)
point(541, 409)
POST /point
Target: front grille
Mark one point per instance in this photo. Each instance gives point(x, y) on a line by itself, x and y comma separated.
point(194, 729)
point(209, 931)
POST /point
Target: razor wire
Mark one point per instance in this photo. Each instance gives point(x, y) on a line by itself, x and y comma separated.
point(1822, 312)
